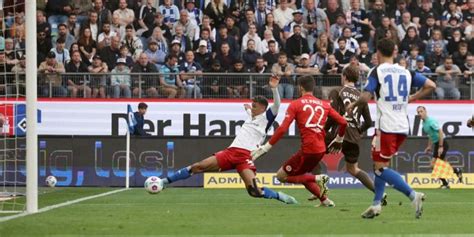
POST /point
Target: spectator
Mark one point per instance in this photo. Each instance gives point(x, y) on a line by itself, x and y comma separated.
point(342, 54)
point(335, 31)
point(58, 10)
point(140, 118)
point(424, 13)
point(74, 47)
point(229, 40)
point(190, 75)
point(120, 79)
point(213, 85)
point(160, 39)
point(203, 56)
point(381, 31)
point(376, 15)
point(74, 26)
point(170, 13)
point(448, 76)
point(146, 18)
point(296, 45)
point(205, 36)
point(195, 14)
point(271, 57)
point(42, 24)
point(468, 68)
point(285, 71)
point(365, 55)
point(249, 56)
point(224, 57)
point(358, 21)
point(454, 41)
point(176, 51)
point(62, 53)
point(232, 29)
point(249, 19)
point(77, 83)
point(267, 37)
point(427, 29)
point(320, 58)
point(103, 14)
point(159, 22)
point(126, 15)
point(405, 25)
point(170, 82)
point(436, 39)
point(273, 27)
point(132, 42)
point(105, 38)
point(411, 59)
point(452, 12)
point(116, 27)
point(12, 57)
point(261, 13)
point(216, 10)
point(333, 11)
point(297, 21)
point(436, 58)
point(411, 39)
point(110, 54)
point(397, 14)
point(351, 43)
point(17, 29)
point(184, 41)
point(206, 24)
point(451, 27)
point(50, 77)
point(92, 24)
point(64, 34)
point(80, 10)
point(17, 84)
point(190, 30)
point(98, 82)
point(237, 85)
point(305, 67)
point(252, 35)
point(43, 45)
point(460, 56)
point(87, 46)
point(149, 83)
point(332, 67)
point(324, 41)
point(420, 65)
point(261, 85)
point(283, 14)
point(155, 55)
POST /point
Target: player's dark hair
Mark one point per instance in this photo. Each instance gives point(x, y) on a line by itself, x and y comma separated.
point(351, 73)
point(261, 100)
point(142, 105)
point(421, 107)
point(307, 82)
point(386, 47)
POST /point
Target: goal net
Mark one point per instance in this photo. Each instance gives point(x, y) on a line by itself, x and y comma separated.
point(12, 106)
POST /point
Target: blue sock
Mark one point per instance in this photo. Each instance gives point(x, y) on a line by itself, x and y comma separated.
point(379, 190)
point(392, 177)
point(179, 175)
point(269, 193)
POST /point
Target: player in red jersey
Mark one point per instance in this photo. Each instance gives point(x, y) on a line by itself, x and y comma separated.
point(310, 114)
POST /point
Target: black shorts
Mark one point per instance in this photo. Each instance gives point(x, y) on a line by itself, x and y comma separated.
point(435, 150)
point(350, 151)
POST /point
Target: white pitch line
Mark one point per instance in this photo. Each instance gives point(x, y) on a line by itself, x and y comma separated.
point(48, 208)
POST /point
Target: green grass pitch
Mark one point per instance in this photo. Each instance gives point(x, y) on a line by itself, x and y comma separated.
point(196, 211)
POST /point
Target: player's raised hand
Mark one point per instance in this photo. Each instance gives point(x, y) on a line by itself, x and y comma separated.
point(274, 81)
point(260, 151)
point(336, 145)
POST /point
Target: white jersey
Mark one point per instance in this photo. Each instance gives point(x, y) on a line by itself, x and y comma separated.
point(254, 130)
point(391, 84)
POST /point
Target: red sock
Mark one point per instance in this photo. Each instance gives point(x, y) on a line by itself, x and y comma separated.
point(301, 179)
point(314, 189)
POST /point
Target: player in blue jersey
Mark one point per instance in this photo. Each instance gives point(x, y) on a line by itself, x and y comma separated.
point(391, 84)
point(436, 139)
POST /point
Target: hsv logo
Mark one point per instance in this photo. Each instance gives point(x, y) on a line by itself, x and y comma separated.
point(15, 119)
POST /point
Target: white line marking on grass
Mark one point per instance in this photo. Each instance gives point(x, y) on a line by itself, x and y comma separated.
point(67, 203)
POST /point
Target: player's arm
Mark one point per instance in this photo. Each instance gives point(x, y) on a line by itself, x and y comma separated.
point(367, 119)
point(336, 145)
point(427, 86)
point(273, 83)
point(369, 89)
point(290, 116)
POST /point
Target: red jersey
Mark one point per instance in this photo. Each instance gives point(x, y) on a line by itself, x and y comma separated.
point(310, 114)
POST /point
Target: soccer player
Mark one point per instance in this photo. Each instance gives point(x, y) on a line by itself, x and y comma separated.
point(310, 114)
point(436, 139)
point(391, 85)
point(340, 99)
point(237, 155)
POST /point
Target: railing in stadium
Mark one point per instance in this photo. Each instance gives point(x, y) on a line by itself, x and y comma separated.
point(204, 85)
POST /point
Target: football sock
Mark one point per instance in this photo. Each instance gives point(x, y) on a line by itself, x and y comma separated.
point(299, 179)
point(365, 179)
point(379, 190)
point(444, 181)
point(393, 178)
point(268, 193)
point(181, 174)
point(314, 189)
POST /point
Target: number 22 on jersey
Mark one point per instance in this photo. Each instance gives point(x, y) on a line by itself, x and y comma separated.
point(314, 111)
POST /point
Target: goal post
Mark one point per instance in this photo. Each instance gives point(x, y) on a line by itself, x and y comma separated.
point(31, 107)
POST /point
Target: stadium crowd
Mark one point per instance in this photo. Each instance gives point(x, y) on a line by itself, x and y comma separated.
point(171, 43)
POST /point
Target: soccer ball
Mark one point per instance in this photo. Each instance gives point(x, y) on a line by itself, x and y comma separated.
point(153, 185)
point(51, 181)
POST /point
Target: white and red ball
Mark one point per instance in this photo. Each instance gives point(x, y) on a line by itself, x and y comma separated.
point(153, 185)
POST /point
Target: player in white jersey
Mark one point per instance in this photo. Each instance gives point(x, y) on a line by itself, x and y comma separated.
point(391, 85)
point(237, 155)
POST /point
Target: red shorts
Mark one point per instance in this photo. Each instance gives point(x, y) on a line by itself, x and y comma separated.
point(389, 145)
point(301, 163)
point(235, 158)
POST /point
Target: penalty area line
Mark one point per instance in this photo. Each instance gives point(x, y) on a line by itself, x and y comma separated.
point(63, 204)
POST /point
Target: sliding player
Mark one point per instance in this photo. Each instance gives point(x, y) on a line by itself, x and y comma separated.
point(237, 155)
point(436, 139)
point(391, 85)
point(310, 114)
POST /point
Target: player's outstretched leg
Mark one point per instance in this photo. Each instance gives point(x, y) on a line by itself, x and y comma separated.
point(208, 164)
point(248, 176)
